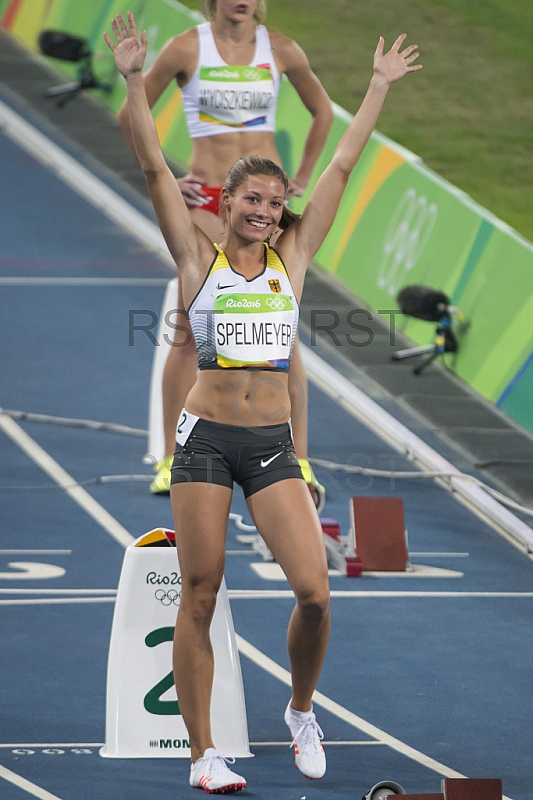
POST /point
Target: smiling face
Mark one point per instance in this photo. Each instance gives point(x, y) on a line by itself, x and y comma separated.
point(255, 210)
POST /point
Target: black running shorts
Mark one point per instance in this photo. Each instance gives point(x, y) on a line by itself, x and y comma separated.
point(209, 452)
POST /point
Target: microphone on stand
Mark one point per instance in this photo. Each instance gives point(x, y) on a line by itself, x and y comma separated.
point(425, 303)
point(431, 305)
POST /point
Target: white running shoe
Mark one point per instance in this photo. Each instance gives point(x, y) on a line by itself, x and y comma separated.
point(212, 774)
point(306, 737)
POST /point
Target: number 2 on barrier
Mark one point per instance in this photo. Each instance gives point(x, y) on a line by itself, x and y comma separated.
point(152, 701)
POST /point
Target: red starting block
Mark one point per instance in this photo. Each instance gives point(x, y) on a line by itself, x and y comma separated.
point(339, 554)
point(472, 788)
point(423, 796)
point(452, 789)
point(378, 533)
point(376, 542)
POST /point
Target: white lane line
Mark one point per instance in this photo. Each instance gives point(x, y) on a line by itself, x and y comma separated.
point(49, 601)
point(331, 743)
point(58, 591)
point(439, 555)
point(25, 282)
point(345, 715)
point(26, 785)
point(31, 571)
point(281, 594)
point(50, 744)
point(36, 552)
point(63, 479)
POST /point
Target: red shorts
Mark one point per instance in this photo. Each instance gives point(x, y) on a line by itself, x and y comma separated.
point(213, 192)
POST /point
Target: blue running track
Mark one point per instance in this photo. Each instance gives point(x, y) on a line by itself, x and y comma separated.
point(425, 676)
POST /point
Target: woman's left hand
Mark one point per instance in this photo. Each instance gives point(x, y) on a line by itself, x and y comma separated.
point(129, 51)
point(394, 65)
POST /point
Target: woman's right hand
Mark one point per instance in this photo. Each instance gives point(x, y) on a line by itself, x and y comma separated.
point(192, 190)
point(129, 52)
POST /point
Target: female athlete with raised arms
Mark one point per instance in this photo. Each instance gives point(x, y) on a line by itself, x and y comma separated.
point(242, 298)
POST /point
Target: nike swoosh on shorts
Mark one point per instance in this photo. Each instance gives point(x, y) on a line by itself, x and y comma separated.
point(267, 462)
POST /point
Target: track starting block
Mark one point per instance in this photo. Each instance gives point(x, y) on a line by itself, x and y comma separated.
point(438, 796)
point(341, 554)
point(472, 788)
point(378, 533)
point(376, 542)
point(452, 789)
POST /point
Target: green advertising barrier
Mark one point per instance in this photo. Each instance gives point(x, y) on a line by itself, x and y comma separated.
point(398, 224)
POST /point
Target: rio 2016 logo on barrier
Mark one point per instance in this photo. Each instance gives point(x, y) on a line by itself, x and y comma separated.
point(406, 237)
point(168, 598)
point(154, 578)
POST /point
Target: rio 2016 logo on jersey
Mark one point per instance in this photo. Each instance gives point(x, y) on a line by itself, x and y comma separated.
point(276, 303)
point(274, 285)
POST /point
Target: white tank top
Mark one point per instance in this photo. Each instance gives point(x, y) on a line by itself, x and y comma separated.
point(222, 98)
point(242, 324)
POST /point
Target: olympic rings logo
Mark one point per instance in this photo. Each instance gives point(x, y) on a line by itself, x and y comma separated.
point(276, 303)
point(168, 598)
point(252, 74)
point(405, 240)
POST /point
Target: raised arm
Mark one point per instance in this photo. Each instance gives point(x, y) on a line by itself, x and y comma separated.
point(184, 240)
point(308, 233)
point(314, 97)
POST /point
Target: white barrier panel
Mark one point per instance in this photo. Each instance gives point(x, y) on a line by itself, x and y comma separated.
point(156, 433)
point(142, 713)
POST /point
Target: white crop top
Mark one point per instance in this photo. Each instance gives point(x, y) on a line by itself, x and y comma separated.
point(222, 98)
point(245, 324)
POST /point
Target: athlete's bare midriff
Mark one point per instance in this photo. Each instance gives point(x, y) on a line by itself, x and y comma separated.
point(212, 156)
point(241, 397)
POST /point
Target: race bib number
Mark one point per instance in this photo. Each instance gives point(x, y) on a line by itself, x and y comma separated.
point(254, 330)
point(186, 423)
point(236, 96)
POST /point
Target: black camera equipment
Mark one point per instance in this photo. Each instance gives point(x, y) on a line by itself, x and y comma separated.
point(428, 304)
point(67, 47)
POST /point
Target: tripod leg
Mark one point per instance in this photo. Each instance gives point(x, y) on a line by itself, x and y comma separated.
point(418, 370)
point(65, 88)
point(412, 351)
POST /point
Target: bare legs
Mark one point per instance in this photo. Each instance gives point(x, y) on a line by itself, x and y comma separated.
point(201, 516)
point(287, 519)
